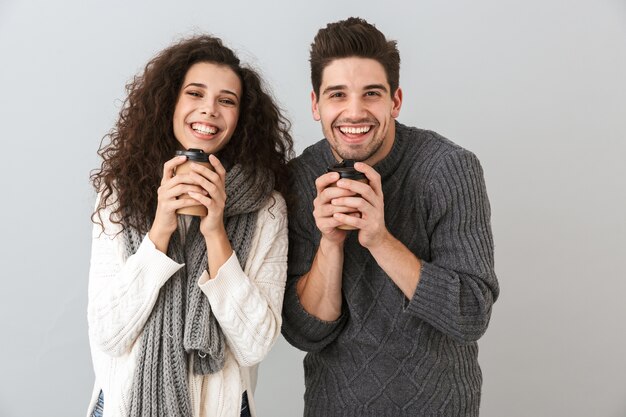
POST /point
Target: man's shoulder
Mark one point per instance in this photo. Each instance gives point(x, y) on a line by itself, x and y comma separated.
point(426, 150)
point(427, 140)
point(312, 158)
point(310, 164)
point(313, 152)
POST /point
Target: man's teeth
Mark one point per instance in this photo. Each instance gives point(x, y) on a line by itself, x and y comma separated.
point(355, 130)
point(204, 129)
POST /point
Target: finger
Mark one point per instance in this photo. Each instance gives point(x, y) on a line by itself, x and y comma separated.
point(182, 189)
point(328, 210)
point(356, 187)
point(353, 220)
point(202, 199)
point(191, 178)
point(170, 166)
point(183, 202)
point(195, 177)
point(205, 172)
point(372, 175)
point(219, 168)
point(330, 193)
point(215, 190)
point(325, 180)
point(352, 203)
point(366, 191)
point(328, 224)
point(175, 180)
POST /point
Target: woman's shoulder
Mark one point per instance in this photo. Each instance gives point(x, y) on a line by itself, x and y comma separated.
point(105, 216)
point(274, 209)
point(275, 203)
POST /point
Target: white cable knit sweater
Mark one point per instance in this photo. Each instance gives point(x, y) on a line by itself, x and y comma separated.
point(247, 304)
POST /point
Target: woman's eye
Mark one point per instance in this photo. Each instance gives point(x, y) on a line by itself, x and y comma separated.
point(194, 94)
point(228, 102)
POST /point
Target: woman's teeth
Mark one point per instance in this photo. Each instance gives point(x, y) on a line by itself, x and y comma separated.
point(207, 130)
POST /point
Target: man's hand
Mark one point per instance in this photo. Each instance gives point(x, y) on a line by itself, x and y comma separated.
point(367, 199)
point(324, 212)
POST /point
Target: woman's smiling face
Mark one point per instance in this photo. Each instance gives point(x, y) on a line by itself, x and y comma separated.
point(207, 110)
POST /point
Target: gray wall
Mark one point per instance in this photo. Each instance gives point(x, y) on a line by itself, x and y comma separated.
point(536, 88)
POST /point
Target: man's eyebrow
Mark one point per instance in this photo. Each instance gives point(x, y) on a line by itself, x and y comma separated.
point(375, 87)
point(343, 87)
point(333, 88)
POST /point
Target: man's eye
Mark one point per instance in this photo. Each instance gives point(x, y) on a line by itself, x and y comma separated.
point(372, 94)
point(336, 95)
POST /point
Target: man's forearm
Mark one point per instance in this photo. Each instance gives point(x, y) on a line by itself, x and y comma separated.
point(319, 290)
point(402, 266)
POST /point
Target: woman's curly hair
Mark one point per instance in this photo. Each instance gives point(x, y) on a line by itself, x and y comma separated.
point(143, 137)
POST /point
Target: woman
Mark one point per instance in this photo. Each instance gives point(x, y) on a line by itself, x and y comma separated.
point(182, 308)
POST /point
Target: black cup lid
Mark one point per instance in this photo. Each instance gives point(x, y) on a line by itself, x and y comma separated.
point(193, 154)
point(346, 169)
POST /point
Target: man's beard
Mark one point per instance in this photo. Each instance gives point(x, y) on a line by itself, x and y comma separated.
point(358, 154)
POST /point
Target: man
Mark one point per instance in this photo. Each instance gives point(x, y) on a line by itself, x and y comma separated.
point(389, 313)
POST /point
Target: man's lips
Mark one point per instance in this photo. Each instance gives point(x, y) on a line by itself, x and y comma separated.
point(354, 133)
point(354, 130)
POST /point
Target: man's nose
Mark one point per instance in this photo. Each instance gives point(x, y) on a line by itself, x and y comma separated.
point(355, 109)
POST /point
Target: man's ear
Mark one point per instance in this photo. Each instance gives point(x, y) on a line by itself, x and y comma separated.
point(397, 103)
point(314, 107)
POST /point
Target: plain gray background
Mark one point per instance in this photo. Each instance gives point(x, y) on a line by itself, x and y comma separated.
point(536, 88)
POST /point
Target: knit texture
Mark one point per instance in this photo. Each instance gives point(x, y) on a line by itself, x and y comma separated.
point(387, 355)
point(181, 321)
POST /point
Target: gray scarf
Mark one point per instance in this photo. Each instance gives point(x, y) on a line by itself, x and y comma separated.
point(181, 322)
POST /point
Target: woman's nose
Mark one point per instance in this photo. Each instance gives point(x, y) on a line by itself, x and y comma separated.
point(209, 109)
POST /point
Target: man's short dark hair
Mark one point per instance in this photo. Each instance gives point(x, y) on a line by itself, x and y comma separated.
point(353, 37)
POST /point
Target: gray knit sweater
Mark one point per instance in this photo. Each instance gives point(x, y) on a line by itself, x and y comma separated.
point(387, 355)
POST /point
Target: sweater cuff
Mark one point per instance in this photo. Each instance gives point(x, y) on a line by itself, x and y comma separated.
point(430, 295)
point(156, 263)
point(310, 328)
point(229, 280)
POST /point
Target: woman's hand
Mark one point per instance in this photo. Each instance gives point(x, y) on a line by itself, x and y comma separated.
point(172, 186)
point(213, 183)
point(212, 226)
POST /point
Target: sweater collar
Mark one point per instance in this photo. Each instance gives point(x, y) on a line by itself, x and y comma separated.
point(387, 166)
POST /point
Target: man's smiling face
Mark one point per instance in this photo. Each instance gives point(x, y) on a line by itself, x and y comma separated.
point(357, 109)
